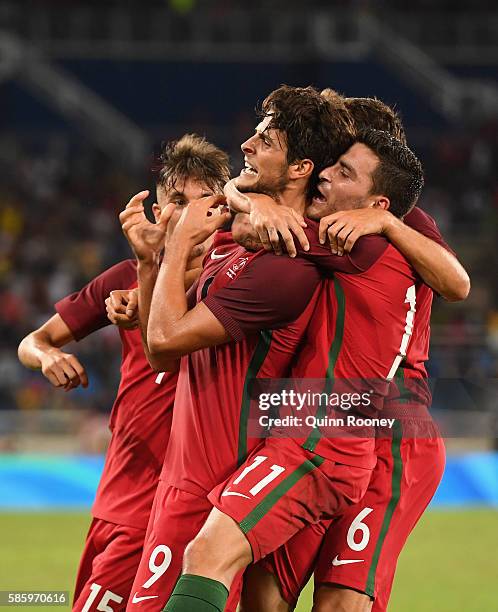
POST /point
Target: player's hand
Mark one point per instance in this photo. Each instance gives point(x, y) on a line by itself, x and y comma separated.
point(275, 225)
point(237, 201)
point(200, 219)
point(122, 308)
point(63, 369)
point(145, 238)
point(343, 228)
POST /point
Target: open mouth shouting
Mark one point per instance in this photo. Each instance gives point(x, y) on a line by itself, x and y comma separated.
point(320, 196)
point(248, 170)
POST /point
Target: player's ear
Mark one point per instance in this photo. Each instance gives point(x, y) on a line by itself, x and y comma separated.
point(156, 210)
point(381, 202)
point(301, 169)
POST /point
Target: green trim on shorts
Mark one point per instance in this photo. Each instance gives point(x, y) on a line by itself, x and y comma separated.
point(257, 360)
point(314, 437)
point(266, 504)
point(393, 502)
point(405, 394)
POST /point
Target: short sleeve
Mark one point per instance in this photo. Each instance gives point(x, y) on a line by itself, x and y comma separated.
point(423, 223)
point(84, 311)
point(270, 293)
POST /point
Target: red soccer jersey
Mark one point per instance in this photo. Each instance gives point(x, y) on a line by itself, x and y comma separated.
point(141, 416)
point(372, 319)
point(249, 292)
point(265, 303)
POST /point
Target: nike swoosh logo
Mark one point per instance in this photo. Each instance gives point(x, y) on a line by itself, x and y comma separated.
point(337, 561)
point(227, 493)
point(220, 256)
point(138, 599)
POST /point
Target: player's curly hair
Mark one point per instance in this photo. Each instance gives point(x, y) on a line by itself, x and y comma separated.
point(314, 128)
point(399, 175)
point(192, 157)
point(369, 113)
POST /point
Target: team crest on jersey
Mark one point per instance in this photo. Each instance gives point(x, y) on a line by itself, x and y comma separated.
point(236, 267)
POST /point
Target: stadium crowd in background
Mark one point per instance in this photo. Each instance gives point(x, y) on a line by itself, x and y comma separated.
point(58, 228)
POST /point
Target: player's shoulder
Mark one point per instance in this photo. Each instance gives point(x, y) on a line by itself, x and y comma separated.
point(394, 265)
point(420, 220)
point(282, 274)
point(272, 263)
point(369, 250)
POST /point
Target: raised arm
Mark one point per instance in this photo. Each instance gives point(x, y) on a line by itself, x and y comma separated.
point(421, 244)
point(147, 241)
point(174, 330)
point(41, 350)
point(262, 296)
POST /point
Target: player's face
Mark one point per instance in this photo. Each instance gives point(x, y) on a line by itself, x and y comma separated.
point(345, 185)
point(265, 155)
point(180, 193)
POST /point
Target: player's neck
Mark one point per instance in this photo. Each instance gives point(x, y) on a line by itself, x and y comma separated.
point(294, 198)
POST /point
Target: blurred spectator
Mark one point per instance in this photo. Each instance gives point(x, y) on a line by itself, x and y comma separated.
point(58, 229)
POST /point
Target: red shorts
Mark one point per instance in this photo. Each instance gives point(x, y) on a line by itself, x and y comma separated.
point(107, 567)
point(282, 488)
point(295, 561)
point(362, 545)
point(175, 520)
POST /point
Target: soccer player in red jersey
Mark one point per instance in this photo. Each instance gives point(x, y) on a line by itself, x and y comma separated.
point(276, 582)
point(209, 434)
point(433, 260)
point(251, 525)
point(419, 239)
point(358, 559)
point(142, 413)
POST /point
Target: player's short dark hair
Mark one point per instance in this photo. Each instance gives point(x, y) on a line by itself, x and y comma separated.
point(369, 113)
point(399, 175)
point(192, 157)
point(314, 128)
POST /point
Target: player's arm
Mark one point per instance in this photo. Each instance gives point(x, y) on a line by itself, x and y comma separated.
point(147, 241)
point(78, 315)
point(174, 330)
point(239, 202)
point(41, 350)
point(418, 239)
point(264, 296)
point(122, 304)
point(272, 223)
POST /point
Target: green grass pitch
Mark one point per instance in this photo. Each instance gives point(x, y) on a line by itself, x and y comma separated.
point(450, 563)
